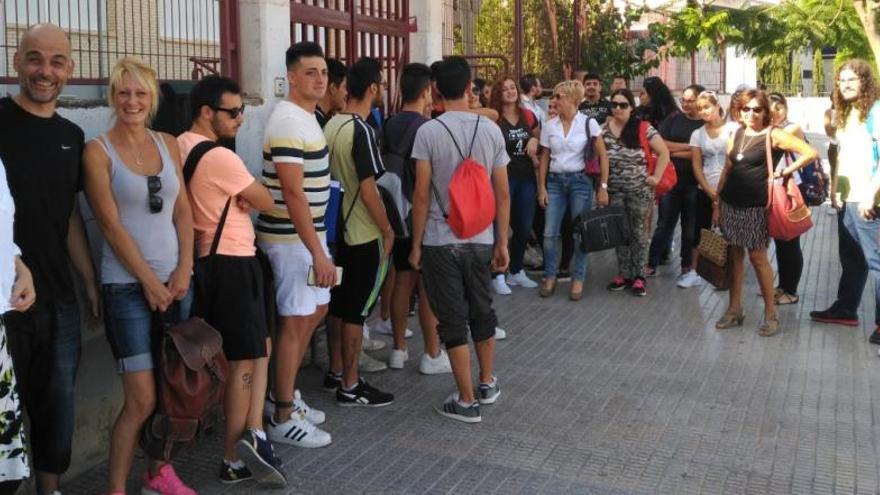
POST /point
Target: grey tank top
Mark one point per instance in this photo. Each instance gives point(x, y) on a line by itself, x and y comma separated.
point(154, 233)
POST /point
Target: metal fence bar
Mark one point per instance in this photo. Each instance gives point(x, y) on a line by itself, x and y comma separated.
point(179, 38)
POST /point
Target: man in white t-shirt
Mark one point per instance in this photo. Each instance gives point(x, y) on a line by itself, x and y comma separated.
point(531, 92)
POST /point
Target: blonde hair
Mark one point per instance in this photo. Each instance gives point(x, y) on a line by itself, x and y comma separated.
point(573, 89)
point(140, 72)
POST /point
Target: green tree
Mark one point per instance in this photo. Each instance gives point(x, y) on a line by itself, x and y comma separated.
point(790, 26)
point(607, 48)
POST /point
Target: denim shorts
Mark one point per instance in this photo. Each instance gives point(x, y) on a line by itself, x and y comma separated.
point(129, 324)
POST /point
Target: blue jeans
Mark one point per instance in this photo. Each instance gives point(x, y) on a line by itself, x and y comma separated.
point(680, 202)
point(522, 214)
point(859, 249)
point(129, 325)
point(45, 345)
point(565, 190)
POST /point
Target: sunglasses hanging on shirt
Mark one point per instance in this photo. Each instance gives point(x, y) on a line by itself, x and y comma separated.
point(154, 185)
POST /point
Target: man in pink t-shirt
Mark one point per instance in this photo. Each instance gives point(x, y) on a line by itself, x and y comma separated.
point(228, 279)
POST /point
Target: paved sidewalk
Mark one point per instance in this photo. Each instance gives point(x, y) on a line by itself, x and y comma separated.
point(615, 394)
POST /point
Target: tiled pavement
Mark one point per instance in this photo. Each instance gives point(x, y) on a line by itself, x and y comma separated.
point(616, 394)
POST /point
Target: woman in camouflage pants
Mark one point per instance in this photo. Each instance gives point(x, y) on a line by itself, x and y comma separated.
point(630, 186)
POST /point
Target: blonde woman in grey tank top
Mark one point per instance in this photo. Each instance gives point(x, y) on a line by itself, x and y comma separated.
point(134, 184)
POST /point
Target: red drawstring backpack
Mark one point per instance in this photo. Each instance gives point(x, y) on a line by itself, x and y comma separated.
point(471, 197)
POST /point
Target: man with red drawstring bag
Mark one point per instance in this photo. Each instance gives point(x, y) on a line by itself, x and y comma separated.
point(461, 189)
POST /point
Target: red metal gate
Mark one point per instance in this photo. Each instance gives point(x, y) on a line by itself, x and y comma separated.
point(348, 29)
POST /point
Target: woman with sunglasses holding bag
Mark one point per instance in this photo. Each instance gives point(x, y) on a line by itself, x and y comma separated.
point(741, 209)
point(629, 185)
point(563, 183)
point(134, 184)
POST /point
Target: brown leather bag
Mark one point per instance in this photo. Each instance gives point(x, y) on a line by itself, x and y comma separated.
point(190, 381)
point(192, 369)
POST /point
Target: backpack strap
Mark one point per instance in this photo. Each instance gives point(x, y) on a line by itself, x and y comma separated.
point(358, 191)
point(646, 147)
point(590, 149)
point(434, 186)
point(189, 168)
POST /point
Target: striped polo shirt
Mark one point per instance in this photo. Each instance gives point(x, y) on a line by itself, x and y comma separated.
point(294, 138)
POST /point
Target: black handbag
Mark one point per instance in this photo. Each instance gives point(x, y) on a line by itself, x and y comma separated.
point(602, 228)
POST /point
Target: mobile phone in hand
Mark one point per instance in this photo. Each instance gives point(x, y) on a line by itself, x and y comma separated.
point(311, 280)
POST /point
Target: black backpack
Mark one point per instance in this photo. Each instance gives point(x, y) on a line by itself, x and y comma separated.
point(396, 185)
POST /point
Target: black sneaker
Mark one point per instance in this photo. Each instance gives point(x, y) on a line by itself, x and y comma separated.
point(259, 455)
point(332, 381)
point(619, 283)
point(453, 410)
point(832, 315)
point(875, 337)
point(563, 276)
point(363, 395)
point(230, 475)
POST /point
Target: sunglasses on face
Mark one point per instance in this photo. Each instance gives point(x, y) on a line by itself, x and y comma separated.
point(755, 110)
point(620, 104)
point(154, 185)
point(233, 112)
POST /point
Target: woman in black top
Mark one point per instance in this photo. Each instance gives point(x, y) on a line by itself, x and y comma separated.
point(741, 210)
point(521, 132)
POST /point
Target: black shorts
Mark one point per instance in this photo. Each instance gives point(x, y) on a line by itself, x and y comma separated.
point(229, 295)
point(457, 279)
point(363, 272)
point(400, 253)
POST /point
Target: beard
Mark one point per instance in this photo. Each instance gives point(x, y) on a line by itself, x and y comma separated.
point(30, 90)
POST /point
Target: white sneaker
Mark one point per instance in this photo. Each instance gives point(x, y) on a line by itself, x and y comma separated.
point(384, 327)
point(689, 279)
point(500, 286)
point(397, 359)
point(435, 366)
point(369, 364)
point(372, 345)
point(500, 334)
point(312, 415)
point(297, 431)
point(522, 280)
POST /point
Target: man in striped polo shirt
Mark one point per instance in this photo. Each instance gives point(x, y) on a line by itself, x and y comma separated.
point(293, 236)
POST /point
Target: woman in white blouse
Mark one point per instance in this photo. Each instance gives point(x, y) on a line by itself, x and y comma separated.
point(562, 183)
point(16, 294)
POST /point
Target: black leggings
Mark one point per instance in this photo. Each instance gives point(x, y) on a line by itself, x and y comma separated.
point(790, 262)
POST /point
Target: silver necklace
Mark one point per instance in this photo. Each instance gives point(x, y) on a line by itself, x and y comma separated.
point(745, 144)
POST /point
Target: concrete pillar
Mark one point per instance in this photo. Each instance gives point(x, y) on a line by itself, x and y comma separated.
point(265, 36)
point(426, 45)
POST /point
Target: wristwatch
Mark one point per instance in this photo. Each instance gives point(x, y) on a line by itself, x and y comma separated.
point(604, 185)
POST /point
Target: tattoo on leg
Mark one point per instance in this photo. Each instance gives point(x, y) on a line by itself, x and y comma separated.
point(247, 381)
